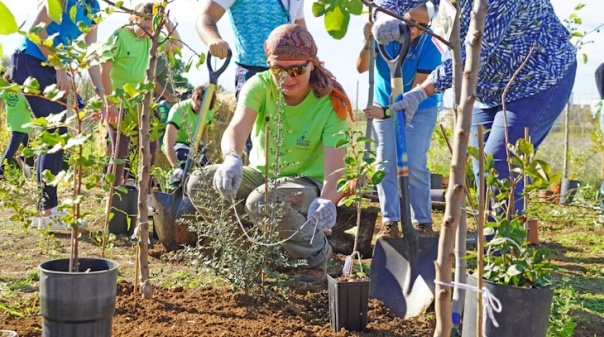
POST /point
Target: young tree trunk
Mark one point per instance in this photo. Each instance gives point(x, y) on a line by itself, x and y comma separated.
point(455, 192)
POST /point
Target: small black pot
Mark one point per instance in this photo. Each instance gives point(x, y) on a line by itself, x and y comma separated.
point(124, 207)
point(568, 190)
point(348, 303)
point(525, 311)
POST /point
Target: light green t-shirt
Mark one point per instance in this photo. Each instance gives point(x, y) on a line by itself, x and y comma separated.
point(307, 128)
point(183, 111)
point(17, 111)
point(130, 58)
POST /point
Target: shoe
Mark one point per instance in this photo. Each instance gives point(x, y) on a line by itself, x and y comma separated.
point(53, 222)
point(130, 182)
point(316, 274)
point(26, 171)
point(389, 230)
point(425, 230)
point(150, 208)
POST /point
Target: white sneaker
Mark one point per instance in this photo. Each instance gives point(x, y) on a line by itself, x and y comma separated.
point(53, 222)
point(27, 171)
point(150, 208)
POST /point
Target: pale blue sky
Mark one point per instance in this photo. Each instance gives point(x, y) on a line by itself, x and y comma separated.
point(339, 55)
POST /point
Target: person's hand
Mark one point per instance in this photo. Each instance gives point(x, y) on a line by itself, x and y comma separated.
point(374, 112)
point(409, 102)
point(228, 176)
point(322, 211)
point(63, 82)
point(219, 48)
point(367, 30)
point(111, 114)
point(386, 29)
point(176, 176)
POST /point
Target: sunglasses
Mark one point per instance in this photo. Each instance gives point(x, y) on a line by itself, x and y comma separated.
point(293, 71)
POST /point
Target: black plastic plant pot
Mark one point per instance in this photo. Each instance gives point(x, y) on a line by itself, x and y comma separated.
point(124, 206)
point(568, 190)
point(78, 304)
point(348, 303)
point(525, 311)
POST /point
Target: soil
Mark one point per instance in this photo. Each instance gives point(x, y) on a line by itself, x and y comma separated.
point(180, 307)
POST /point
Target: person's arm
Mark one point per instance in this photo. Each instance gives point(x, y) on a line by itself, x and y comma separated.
point(111, 114)
point(63, 81)
point(363, 58)
point(169, 141)
point(205, 137)
point(238, 130)
point(207, 28)
point(333, 161)
point(301, 22)
point(160, 90)
point(174, 42)
point(94, 71)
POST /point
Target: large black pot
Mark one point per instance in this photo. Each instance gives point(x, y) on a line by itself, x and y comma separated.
point(525, 311)
point(348, 303)
point(77, 304)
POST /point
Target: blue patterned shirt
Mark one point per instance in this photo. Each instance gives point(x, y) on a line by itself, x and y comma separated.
point(512, 28)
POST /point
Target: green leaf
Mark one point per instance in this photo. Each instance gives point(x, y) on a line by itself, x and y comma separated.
point(378, 177)
point(355, 7)
point(8, 25)
point(318, 9)
point(341, 143)
point(119, 4)
point(54, 9)
point(72, 13)
point(336, 22)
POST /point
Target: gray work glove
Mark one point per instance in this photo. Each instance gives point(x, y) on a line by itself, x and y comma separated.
point(322, 211)
point(228, 176)
point(386, 29)
point(176, 176)
point(409, 102)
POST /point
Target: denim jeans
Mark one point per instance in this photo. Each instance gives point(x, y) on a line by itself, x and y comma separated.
point(419, 133)
point(16, 139)
point(537, 113)
point(602, 185)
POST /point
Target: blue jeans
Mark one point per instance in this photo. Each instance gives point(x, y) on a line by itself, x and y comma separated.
point(16, 139)
point(602, 185)
point(537, 112)
point(419, 133)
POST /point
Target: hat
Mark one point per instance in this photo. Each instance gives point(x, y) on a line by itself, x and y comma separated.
point(294, 42)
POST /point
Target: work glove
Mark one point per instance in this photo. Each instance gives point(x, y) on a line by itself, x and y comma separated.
point(386, 29)
point(409, 102)
point(176, 176)
point(323, 212)
point(228, 176)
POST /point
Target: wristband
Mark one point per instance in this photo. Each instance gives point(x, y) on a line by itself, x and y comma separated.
point(387, 113)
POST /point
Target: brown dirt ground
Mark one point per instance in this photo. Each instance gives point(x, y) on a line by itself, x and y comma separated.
point(184, 311)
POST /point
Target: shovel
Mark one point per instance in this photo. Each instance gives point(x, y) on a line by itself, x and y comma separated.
point(171, 206)
point(402, 269)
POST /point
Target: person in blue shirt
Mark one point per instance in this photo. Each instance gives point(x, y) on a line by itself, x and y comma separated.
point(600, 84)
point(29, 60)
point(251, 23)
point(422, 58)
point(515, 32)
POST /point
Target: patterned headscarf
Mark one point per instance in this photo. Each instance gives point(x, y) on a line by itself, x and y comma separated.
point(293, 42)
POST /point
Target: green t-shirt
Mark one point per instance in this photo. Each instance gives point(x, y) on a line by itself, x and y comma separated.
point(307, 128)
point(17, 111)
point(182, 111)
point(130, 58)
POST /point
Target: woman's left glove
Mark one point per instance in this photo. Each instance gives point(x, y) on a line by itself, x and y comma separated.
point(323, 211)
point(228, 176)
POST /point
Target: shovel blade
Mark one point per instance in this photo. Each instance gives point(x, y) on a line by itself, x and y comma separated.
point(170, 208)
point(391, 271)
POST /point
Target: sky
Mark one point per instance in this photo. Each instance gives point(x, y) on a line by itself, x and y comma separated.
point(339, 56)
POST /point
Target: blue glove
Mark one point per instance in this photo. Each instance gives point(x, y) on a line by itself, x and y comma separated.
point(409, 102)
point(386, 29)
point(322, 211)
point(228, 176)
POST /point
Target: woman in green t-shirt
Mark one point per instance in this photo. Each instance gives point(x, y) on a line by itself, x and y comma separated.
point(17, 114)
point(305, 159)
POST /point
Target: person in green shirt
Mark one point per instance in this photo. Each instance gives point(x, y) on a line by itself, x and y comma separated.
point(181, 123)
point(310, 120)
point(17, 114)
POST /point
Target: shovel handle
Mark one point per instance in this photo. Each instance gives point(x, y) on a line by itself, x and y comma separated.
point(214, 74)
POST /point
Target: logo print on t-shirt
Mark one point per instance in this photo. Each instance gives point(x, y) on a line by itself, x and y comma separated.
point(303, 140)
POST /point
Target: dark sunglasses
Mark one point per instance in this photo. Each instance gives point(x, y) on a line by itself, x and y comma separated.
point(424, 25)
point(293, 71)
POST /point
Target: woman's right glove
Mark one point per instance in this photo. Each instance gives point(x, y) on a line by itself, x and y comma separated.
point(409, 102)
point(228, 176)
point(322, 211)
